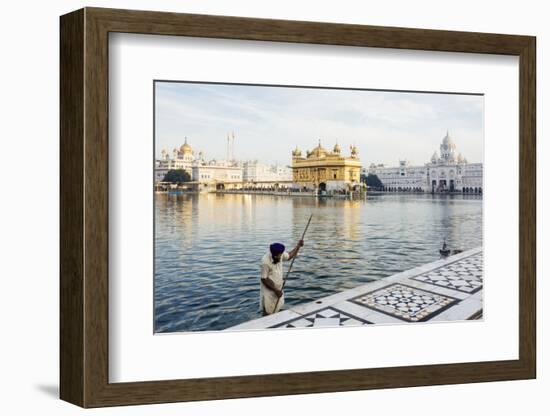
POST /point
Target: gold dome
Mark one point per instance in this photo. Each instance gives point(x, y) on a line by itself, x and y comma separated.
point(336, 148)
point(318, 151)
point(296, 152)
point(185, 148)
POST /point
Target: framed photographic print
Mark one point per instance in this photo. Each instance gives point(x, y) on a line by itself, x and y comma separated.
point(359, 200)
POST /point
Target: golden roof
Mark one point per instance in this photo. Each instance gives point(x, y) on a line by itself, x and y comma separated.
point(318, 151)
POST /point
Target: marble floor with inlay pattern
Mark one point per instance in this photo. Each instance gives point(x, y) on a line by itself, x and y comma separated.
point(465, 275)
point(322, 318)
point(405, 302)
point(445, 290)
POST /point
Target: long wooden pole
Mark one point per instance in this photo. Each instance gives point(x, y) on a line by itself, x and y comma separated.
point(292, 262)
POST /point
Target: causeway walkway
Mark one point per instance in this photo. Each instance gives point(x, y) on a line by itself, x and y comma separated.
point(449, 289)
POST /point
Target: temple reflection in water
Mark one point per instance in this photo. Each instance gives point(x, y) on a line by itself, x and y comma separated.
point(208, 247)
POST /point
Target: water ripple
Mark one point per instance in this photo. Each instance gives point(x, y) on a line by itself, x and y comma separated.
point(208, 248)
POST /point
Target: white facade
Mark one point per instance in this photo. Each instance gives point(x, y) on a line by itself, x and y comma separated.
point(205, 173)
point(253, 171)
point(473, 177)
point(403, 176)
point(447, 171)
point(160, 172)
point(182, 158)
point(213, 174)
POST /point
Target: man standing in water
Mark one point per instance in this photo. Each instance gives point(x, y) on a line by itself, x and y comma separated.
point(271, 293)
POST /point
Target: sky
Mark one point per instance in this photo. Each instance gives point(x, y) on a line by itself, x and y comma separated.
point(270, 121)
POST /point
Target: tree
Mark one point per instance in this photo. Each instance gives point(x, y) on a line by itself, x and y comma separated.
point(373, 181)
point(177, 176)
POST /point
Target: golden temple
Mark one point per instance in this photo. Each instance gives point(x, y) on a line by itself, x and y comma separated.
point(322, 170)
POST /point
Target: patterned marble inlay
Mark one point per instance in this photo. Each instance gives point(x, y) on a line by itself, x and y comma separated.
point(464, 275)
point(325, 317)
point(405, 302)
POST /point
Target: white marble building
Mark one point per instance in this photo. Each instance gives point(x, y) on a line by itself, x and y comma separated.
point(182, 158)
point(216, 175)
point(447, 171)
point(253, 172)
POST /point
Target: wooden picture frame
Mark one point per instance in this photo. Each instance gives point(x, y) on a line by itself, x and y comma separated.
point(84, 207)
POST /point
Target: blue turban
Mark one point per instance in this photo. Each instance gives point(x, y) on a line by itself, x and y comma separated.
point(277, 248)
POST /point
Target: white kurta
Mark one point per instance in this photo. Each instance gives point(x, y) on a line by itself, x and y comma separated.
point(268, 298)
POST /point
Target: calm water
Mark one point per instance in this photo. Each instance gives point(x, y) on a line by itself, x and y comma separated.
point(208, 248)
